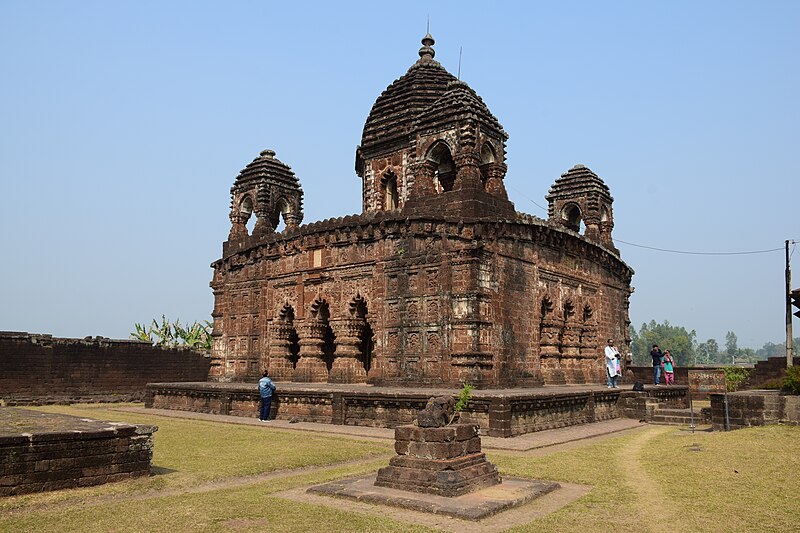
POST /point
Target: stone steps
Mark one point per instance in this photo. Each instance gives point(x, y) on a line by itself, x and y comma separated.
point(676, 417)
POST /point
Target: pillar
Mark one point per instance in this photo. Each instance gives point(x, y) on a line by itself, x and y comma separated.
point(280, 365)
point(311, 366)
point(346, 366)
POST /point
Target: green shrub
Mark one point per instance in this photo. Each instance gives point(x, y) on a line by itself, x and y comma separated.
point(463, 398)
point(772, 384)
point(791, 383)
point(735, 377)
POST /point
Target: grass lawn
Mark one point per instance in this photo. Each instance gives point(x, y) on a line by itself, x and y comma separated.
point(209, 479)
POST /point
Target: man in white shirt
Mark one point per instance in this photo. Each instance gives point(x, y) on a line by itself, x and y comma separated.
point(612, 364)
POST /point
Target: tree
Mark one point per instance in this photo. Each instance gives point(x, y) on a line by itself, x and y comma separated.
point(707, 352)
point(731, 347)
point(676, 339)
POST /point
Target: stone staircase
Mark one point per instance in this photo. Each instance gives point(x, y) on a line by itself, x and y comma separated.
point(680, 417)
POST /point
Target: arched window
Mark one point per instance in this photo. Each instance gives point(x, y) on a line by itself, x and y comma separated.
point(246, 211)
point(445, 167)
point(571, 214)
point(487, 158)
point(391, 198)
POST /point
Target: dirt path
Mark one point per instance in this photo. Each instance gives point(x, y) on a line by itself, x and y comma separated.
point(649, 497)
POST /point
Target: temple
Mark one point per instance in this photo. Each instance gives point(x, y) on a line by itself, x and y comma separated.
point(439, 281)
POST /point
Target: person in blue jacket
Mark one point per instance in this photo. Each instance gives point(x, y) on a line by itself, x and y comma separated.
point(265, 387)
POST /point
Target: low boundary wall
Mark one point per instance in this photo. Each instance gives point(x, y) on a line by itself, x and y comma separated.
point(45, 369)
point(499, 412)
point(754, 408)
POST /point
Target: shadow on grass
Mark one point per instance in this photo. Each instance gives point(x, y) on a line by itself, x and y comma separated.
point(161, 470)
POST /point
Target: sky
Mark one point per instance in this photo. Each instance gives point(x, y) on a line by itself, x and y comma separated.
point(123, 126)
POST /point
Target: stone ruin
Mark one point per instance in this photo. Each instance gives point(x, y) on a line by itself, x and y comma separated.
point(436, 458)
point(439, 468)
point(439, 280)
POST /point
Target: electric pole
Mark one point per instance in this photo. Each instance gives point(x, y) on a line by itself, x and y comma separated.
point(789, 351)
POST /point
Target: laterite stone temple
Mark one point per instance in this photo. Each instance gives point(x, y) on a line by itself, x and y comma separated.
point(439, 281)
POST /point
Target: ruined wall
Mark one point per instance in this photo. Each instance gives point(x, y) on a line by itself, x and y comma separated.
point(447, 301)
point(41, 365)
point(43, 452)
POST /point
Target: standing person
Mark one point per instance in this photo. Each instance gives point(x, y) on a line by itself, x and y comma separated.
point(656, 354)
point(612, 364)
point(265, 387)
point(669, 368)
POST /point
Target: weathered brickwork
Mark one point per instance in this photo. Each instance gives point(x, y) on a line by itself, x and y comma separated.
point(498, 413)
point(753, 408)
point(439, 281)
point(38, 367)
point(79, 453)
point(446, 461)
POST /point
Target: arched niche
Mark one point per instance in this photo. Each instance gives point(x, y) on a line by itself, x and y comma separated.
point(366, 337)
point(321, 312)
point(286, 316)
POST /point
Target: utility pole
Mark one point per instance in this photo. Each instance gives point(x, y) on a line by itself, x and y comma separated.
point(789, 350)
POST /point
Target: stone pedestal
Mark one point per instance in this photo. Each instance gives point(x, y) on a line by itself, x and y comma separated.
point(446, 461)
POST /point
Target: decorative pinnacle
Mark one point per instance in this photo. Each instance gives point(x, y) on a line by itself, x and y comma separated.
point(267, 153)
point(427, 51)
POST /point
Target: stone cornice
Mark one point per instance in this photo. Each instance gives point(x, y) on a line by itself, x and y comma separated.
point(376, 226)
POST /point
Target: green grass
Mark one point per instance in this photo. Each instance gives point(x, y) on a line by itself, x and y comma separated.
point(655, 479)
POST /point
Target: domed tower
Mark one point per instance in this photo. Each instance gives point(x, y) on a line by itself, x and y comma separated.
point(268, 188)
point(580, 196)
point(431, 144)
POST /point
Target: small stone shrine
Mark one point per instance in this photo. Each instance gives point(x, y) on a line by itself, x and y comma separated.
point(437, 458)
point(440, 469)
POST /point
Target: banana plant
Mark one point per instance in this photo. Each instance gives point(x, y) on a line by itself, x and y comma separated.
point(164, 332)
point(196, 336)
point(142, 333)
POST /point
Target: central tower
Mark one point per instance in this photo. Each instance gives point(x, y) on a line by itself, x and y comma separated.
point(430, 144)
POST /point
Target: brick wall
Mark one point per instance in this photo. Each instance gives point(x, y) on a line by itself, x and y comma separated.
point(36, 366)
point(772, 368)
point(65, 457)
point(754, 408)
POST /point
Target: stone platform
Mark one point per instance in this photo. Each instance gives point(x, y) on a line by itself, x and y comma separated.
point(499, 412)
point(45, 451)
point(512, 492)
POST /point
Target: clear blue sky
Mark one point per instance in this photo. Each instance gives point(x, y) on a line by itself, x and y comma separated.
point(124, 124)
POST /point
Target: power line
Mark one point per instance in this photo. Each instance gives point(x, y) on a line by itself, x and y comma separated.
point(667, 250)
point(698, 253)
point(531, 201)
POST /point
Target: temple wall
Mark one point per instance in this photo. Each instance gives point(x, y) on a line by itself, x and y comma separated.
point(448, 301)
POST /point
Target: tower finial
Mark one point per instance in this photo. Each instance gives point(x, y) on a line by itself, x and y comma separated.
point(427, 51)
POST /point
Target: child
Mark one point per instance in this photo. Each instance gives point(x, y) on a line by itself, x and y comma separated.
point(669, 369)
